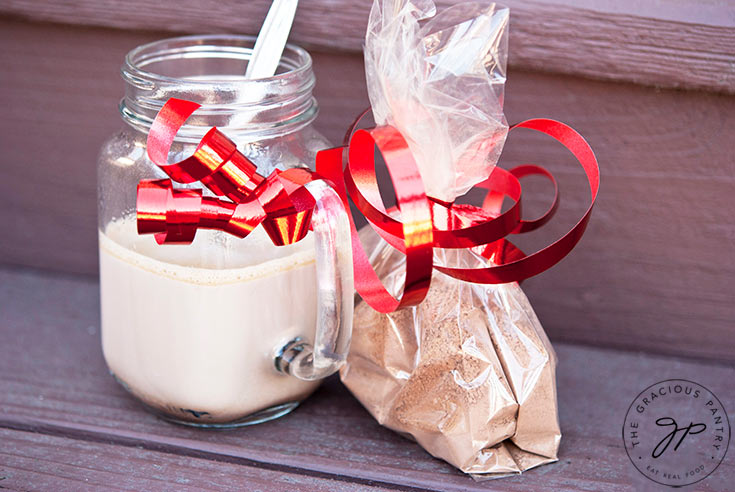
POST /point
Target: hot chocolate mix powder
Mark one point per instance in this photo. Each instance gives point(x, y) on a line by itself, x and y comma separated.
point(469, 374)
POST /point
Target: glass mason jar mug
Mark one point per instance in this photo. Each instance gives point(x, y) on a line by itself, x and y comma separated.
point(223, 331)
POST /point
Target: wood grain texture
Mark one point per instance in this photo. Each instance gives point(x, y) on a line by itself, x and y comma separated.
point(654, 272)
point(53, 381)
point(37, 461)
point(682, 43)
point(656, 269)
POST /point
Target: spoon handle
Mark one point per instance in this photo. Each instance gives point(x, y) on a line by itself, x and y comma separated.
point(272, 39)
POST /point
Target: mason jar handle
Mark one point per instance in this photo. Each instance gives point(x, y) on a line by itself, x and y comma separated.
point(335, 292)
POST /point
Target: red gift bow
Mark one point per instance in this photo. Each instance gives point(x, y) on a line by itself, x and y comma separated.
point(284, 207)
point(279, 202)
point(352, 170)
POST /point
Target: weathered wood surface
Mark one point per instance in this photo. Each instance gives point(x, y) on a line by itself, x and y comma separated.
point(654, 272)
point(684, 43)
point(53, 382)
point(32, 460)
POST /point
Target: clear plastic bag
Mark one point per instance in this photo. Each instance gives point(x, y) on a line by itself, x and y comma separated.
point(439, 79)
point(469, 373)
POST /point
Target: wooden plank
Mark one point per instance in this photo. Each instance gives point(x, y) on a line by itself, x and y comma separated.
point(53, 380)
point(654, 271)
point(34, 461)
point(687, 44)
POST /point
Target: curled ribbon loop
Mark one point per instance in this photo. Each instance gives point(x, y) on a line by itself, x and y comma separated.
point(215, 162)
point(449, 225)
point(417, 224)
point(279, 202)
point(416, 229)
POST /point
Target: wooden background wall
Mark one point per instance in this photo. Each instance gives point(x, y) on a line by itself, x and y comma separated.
point(652, 87)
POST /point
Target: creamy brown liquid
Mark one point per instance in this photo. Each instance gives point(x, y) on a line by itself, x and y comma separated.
point(191, 331)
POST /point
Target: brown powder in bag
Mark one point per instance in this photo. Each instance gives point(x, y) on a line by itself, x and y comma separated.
point(530, 363)
point(463, 373)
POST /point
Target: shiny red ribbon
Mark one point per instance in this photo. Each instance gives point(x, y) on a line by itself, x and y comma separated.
point(426, 223)
point(279, 202)
point(284, 207)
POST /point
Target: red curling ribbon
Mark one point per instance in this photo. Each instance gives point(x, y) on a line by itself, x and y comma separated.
point(416, 226)
point(174, 216)
point(279, 202)
point(284, 207)
point(531, 265)
point(216, 161)
point(494, 199)
point(451, 225)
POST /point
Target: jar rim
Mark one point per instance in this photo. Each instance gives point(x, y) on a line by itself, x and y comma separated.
point(277, 104)
point(295, 59)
